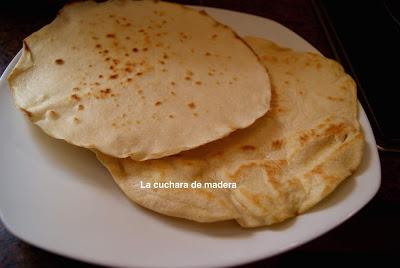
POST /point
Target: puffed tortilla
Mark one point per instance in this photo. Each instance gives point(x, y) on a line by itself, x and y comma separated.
point(144, 79)
point(283, 165)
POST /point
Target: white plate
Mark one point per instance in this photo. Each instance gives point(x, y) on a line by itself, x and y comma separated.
point(58, 197)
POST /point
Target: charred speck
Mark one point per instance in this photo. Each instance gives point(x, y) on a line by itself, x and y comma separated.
point(105, 91)
point(59, 61)
point(75, 97)
point(248, 148)
point(192, 105)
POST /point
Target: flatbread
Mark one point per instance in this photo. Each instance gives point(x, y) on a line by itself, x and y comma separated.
point(284, 164)
point(143, 79)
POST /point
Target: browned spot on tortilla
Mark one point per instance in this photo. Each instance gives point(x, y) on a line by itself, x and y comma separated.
point(207, 54)
point(183, 35)
point(171, 116)
point(114, 76)
point(158, 103)
point(191, 105)
point(75, 97)
point(248, 148)
point(110, 35)
point(76, 89)
point(80, 107)
point(335, 129)
point(100, 76)
point(139, 73)
point(198, 82)
point(214, 36)
point(318, 170)
point(173, 83)
point(105, 91)
point(135, 49)
point(335, 98)
point(128, 69)
point(76, 119)
point(277, 144)
point(129, 79)
point(195, 114)
point(59, 61)
point(98, 46)
point(188, 78)
point(173, 93)
point(303, 138)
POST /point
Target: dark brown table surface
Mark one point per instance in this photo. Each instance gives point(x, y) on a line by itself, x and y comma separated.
point(369, 237)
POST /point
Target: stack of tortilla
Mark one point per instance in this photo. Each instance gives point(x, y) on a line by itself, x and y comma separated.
point(166, 94)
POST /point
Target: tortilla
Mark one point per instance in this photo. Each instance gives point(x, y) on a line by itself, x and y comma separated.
point(138, 78)
point(282, 165)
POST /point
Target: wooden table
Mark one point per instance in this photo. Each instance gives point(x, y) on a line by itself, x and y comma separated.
point(371, 236)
